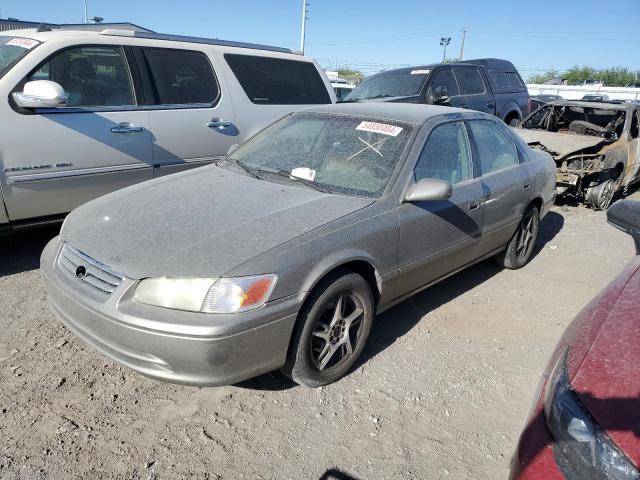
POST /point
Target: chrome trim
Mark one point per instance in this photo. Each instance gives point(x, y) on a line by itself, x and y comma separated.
point(37, 177)
point(99, 279)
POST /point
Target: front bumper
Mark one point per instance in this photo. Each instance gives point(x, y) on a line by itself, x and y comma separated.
point(170, 345)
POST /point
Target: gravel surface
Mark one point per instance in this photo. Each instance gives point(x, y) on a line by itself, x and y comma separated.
point(442, 390)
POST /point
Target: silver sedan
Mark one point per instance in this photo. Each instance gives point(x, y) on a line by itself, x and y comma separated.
point(279, 256)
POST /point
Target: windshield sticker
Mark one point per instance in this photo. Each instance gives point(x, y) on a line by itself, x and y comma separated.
point(383, 128)
point(22, 42)
point(420, 72)
point(371, 146)
point(304, 173)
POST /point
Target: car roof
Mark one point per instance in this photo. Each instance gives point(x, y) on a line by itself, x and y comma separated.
point(403, 112)
point(491, 63)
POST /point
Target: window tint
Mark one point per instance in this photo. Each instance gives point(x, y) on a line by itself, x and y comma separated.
point(470, 80)
point(92, 76)
point(500, 79)
point(513, 80)
point(495, 146)
point(277, 81)
point(181, 77)
point(445, 78)
point(446, 155)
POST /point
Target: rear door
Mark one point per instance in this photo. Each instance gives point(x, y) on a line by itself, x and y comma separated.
point(190, 112)
point(475, 88)
point(58, 158)
point(505, 180)
point(439, 237)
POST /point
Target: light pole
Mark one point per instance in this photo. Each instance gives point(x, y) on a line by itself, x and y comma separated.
point(304, 22)
point(86, 16)
point(444, 41)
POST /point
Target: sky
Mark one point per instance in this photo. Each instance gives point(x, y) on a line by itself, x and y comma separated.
point(373, 35)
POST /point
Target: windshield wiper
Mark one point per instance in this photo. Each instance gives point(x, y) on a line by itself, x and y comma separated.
point(250, 170)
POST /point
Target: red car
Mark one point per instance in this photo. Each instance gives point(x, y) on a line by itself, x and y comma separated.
point(585, 423)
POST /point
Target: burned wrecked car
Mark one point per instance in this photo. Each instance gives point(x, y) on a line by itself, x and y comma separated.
point(595, 146)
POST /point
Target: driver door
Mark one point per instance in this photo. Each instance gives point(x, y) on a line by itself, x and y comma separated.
point(445, 80)
point(439, 237)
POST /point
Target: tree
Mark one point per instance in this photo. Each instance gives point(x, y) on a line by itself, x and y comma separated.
point(351, 74)
point(612, 77)
point(548, 75)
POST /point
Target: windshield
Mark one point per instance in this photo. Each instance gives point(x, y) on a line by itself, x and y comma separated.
point(397, 83)
point(12, 49)
point(342, 154)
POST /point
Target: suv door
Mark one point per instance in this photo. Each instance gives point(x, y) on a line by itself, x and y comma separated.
point(505, 179)
point(192, 122)
point(58, 158)
point(439, 237)
point(475, 87)
point(444, 79)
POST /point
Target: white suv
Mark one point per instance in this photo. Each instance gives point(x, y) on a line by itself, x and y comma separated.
point(84, 112)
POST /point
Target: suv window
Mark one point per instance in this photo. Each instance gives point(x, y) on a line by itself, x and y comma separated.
point(92, 76)
point(513, 80)
point(500, 79)
point(495, 146)
point(445, 78)
point(471, 81)
point(181, 77)
point(446, 155)
point(277, 81)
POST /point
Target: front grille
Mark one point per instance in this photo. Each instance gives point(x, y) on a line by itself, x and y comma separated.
point(87, 272)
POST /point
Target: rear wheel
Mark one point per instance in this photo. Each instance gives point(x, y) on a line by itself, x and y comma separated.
point(332, 330)
point(600, 196)
point(520, 247)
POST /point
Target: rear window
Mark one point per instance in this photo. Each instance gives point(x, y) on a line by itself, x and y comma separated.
point(499, 79)
point(470, 80)
point(181, 77)
point(277, 81)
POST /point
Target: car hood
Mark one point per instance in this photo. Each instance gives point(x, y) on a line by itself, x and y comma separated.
point(607, 380)
point(559, 145)
point(200, 223)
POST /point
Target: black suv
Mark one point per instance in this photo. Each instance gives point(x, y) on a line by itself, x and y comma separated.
point(488, 85)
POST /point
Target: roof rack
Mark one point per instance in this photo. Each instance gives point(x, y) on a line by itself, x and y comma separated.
point(207, 41)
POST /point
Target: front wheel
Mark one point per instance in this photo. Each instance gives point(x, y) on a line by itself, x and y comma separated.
point(520, 247)
point(333, 327)
point(600, 196)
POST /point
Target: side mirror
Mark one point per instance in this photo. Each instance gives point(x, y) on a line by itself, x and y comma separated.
point(428, 190)
point(440, 94)
point(41, 94)
point(625, 216)
point(232, 149)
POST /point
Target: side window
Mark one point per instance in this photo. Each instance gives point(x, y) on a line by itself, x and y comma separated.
point(496, 149)
point(278, 81)
point(471, 81)
point(181, 77)
point(446, 79)
point(513, 80)
point(500, 79)
point(446, 155)
point(92, 76)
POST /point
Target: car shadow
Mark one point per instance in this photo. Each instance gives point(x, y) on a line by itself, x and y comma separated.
point(20, 251)
point(335, 474)
point(399, 320)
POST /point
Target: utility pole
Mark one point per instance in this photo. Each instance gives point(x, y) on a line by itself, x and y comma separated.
point(86, 15)
point(304, 22)
point(464, 34)
point(444, 41)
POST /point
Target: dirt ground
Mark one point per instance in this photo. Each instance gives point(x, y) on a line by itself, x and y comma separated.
point(443, 388)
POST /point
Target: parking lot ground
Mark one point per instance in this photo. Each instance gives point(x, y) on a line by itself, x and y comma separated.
point(442, 390)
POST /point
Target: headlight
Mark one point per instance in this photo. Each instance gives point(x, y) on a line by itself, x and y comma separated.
point(207, 295)
point(581, 447)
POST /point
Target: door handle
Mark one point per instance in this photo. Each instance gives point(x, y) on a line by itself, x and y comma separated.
point(126, 127)
point(527, 186)
point(219, 123)
point(473, 206)
point(491, 105)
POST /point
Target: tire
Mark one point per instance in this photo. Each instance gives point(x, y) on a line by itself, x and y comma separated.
point(514, 122)
point(520, 247)
point(324, 346)
point(600, 196)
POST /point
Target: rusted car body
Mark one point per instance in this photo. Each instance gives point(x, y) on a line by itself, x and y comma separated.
point(595, 146)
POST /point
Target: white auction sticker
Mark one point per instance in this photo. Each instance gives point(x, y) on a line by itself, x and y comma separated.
point(22, 42)
point(383, 128)
point(420, 72)
point(304, 173)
